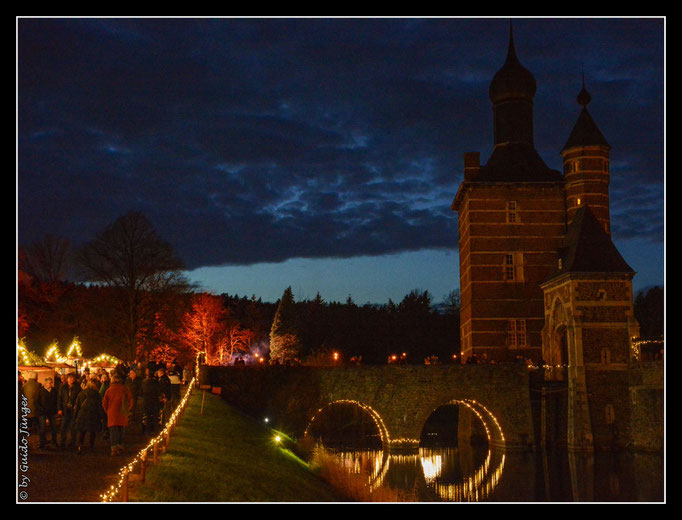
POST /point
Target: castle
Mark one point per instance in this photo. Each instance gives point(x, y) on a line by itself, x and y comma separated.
point(540, 277)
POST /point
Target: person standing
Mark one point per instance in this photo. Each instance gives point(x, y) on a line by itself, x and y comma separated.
point(47, 412)
point(117, 405)
point(134, 384)
point(66, 403)
point(175, 384)
point(165, 394)
point(104, 383)
point(89, 414)
point(151, 403)
point(31, 391)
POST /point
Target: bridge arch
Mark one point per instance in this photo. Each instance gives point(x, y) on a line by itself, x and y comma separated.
point(491, 424)
point(376, 417)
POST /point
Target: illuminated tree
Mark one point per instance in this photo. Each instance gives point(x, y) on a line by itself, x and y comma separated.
point(239, 340)
point(204, 329)
point(130, 257)
point(284, 340)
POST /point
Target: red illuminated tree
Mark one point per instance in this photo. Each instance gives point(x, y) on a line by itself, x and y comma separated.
point(204, 329)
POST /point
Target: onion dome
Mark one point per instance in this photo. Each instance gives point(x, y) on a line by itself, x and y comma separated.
point(513, 80)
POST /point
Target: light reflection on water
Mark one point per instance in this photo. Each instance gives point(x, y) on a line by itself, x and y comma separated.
point(476, 474)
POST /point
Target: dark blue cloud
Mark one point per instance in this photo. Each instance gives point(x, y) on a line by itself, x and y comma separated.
point(260, 140)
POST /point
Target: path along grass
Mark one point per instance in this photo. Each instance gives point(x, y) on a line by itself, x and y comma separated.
point(224, 456)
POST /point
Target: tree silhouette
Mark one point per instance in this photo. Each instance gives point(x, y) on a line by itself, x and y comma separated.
point(130, 257)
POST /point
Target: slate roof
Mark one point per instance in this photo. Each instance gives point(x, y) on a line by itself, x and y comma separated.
point(516, 162)
point(588, 248)
point(585, 133)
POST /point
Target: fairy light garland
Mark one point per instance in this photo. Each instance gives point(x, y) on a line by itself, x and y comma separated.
point(22, 351)
point(113, 360)
point(111, 493)
point(371, 411)
point(75, 345)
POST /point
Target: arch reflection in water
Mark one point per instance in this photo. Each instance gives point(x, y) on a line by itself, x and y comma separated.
point(442, 481)
point(474, 487)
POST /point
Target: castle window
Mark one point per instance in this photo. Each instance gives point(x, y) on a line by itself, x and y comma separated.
point(578, 201)
point(511, 212)
point(509, 268)
point(606, 166)
point(601, 295)
point(516, 333)
point(609, 414)
point(513, 267)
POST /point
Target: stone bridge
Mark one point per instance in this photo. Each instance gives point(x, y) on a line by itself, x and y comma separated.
point(399, 398)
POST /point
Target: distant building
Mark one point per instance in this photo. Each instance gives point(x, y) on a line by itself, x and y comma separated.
point(539, 274)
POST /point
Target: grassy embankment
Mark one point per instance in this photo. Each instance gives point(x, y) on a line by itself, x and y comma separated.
point(224, 456)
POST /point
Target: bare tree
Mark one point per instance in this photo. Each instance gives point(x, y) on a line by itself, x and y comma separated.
point(131, 257)
point(45, 261)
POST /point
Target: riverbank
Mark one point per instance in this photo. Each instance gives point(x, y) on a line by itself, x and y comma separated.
point(225, 456)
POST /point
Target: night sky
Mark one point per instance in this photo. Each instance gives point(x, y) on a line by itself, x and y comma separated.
point(322, 154)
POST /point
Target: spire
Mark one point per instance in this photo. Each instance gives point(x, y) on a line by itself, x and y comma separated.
point(513, 80)
point(585, 131)
point(584, 97)
point(511, 51)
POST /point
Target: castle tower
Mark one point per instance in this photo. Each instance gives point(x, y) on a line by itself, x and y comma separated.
point(589, 325)
point(586, 166)
point(512, 219)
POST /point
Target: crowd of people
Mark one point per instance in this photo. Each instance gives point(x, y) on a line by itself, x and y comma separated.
point(74, 406)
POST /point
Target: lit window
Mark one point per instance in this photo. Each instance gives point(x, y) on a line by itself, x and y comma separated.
point(578, 201)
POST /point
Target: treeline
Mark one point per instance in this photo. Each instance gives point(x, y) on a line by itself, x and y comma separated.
point(649, 309)
point(414, 327)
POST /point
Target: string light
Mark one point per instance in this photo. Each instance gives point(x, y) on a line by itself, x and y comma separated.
point(105, 357)
point(141, 455)
point(75, 345)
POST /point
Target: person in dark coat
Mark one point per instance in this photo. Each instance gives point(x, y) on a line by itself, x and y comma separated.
point(31, 391)
point(47, 412)
point(176, 382)
point(88, 414)
point(66, 404)
point(105, 382)
point(151, 403)
point(134, 384)
point(165, 394)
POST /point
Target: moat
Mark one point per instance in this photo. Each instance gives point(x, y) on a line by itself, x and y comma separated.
point(475, 474)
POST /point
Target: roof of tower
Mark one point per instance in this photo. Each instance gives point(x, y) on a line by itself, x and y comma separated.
point(516, 162)
point(585, 131)
point(513, 80)
point(588, 248)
